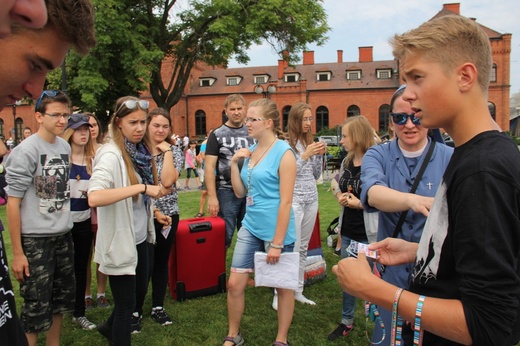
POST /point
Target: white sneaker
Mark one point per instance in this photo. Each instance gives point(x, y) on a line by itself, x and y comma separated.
point(84, 323)
point(302, 299)
point(275, 302)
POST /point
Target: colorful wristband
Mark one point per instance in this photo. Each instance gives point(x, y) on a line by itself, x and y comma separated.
point(417, 332)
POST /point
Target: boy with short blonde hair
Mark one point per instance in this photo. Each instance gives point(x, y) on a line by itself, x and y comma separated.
point(465, 286)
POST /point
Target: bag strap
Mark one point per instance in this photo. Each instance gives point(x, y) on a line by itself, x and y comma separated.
point(414, 187)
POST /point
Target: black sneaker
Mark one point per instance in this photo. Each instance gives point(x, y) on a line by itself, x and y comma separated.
point(135, 327)
point(342, 330)
point(160, 316)
point(105, 330)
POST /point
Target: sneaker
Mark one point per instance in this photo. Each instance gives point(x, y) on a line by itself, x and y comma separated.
point(187, 188)
point(136, 323)
point(337, 252)
point(89, 304)
point(160, 316)
point(102, 302)
point(342, 330)
point(105, 330)
point(84, 323)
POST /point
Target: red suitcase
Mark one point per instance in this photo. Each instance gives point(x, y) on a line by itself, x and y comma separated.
point(197, 264)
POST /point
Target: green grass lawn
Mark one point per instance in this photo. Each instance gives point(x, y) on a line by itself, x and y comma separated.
point(203, 321)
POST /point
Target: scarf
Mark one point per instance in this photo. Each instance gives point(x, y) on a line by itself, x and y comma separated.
point(141, 158)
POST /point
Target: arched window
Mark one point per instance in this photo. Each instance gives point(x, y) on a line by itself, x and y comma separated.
point(18, 125)
point(322, 118)
point(384, 115)
point(353, 110)
point(492, 110)
point(200, 123)
point(224, 117)
point(285, 117)
point(2, 134)
point(493, 77)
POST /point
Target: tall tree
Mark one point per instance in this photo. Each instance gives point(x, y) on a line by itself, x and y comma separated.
point(136, 37)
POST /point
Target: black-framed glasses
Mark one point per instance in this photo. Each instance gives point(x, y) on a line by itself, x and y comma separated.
point(402, 118)
point(65, 116)
point(76, 118)
point(252, 120)
point(46, 93)
point(132, 104)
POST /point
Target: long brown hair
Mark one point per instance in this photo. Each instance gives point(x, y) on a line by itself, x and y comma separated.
point(121, 111)
point(362, 136)
point(160, 111)
point(295, 126)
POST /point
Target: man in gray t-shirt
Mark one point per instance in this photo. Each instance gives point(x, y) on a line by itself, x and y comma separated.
point(220, 148)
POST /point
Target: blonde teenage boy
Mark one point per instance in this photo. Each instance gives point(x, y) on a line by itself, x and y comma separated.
point(465, 286)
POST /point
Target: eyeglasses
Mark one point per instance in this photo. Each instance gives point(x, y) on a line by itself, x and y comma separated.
point(252, 120)
point(402, 118)
point(132, 104)
point(46, 93)
point(308, 119)
point(76, 118)
point(65, 116)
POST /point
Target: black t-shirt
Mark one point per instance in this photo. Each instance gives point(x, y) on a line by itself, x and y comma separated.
point(470, 245)
point(352, 225)
point(11, 331)
point(223, 142)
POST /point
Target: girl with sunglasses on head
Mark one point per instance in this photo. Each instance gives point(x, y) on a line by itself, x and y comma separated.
point(387, 173)
point(168, 160)
point(77, 134)
point(123, 183)
point(267, 182)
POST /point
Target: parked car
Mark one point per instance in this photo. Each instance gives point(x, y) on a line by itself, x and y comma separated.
point(329, 140)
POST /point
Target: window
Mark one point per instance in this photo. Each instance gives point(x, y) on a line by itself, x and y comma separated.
point(206, 82)
point(353, 111)
point(224, 117)
point(233, 80)
point(354, 75)
point(200, 123)
point(323, 76)
point(322, 118)
point(2, 134)
point(285, 117)
point(493, 77)
point(384, 73)
point(384, 117)
point(261, 79)
point(492, 110)
point(291, 77)
point(18, 125)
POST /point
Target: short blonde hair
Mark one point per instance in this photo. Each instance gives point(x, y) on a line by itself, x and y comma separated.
point(449, 40)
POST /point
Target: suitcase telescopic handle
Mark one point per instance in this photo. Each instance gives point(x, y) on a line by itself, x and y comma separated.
point(200, 227)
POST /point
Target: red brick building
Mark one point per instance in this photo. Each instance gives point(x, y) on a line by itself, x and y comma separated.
point(334, 90)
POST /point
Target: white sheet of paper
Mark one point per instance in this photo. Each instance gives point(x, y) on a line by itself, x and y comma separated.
point(283, 274)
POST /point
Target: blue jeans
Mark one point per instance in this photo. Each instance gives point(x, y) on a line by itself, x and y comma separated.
point(244, 253)
point(232, 210)
point(349, 302)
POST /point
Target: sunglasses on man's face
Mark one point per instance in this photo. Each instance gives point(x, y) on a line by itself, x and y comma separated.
point(402, 118)
point(46, 93)
point(132, 104)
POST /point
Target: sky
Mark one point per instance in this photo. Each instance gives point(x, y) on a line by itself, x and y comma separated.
point(372, 22)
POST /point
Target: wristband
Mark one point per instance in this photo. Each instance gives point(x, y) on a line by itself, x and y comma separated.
point(145, 187)
point(274, 246)
point(167, 150)
point(417, 332)
point(397, 322)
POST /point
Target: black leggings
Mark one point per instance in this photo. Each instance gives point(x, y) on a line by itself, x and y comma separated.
point(82, 238)
point(160, 254)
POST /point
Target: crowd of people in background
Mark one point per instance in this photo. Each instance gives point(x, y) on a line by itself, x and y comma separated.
point(446, 221)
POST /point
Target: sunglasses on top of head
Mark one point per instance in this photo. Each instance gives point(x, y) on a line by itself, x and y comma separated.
point(402, 118)
point(132, 104)
point(76, 118)
point(46, 93)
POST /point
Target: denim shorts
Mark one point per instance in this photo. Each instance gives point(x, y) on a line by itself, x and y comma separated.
point(244, 254)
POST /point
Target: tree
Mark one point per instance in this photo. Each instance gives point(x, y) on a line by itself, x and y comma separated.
point(136, 37)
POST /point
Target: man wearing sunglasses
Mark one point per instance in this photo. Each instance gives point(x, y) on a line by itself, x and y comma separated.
point(388, 172)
